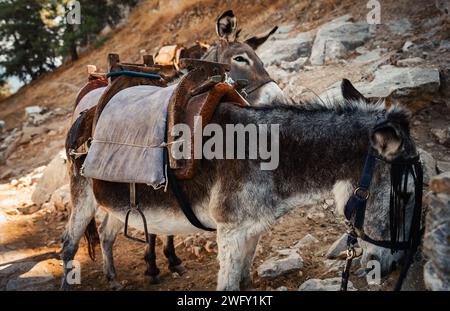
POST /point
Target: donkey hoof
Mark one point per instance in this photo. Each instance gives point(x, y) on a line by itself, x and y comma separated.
point(180, 269)
point(154, 280)
point(116, 286)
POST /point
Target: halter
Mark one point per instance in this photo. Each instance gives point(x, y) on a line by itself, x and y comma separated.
point(355, 208)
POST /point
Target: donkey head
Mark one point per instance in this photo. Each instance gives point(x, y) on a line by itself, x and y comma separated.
point(391, 141)
point(245, 64)
point(390, 137)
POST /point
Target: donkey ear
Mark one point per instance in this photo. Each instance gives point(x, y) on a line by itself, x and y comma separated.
point(349, 92)
point(256, 41)
point(386, 141)
point(226, 26)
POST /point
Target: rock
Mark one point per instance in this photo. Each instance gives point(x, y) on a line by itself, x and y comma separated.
point(369, 56)
point(29, 132)
point(335, 39)
point(334, 265)
point(38, 278)
point(28, 209)
point(60, 199)
point(443, 166)
point(429, 165)
point(407, 46)
point(413, 87)
point(8, 172)
point(337, 247)
point(399, 26)
point(441, 135)
point(332, 284)
point(197, 251)
point(276, 266)
point(2, 126)
point(282, 289)
point(54, 176)
point(436, 243)
point(9, 144)
point(211, 246)
point(274, 50)
point(31, 110)
point(410, 62)
point(443, 6)
point(295, 65)
point(307, 240)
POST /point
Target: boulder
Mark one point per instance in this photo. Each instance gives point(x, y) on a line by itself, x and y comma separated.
point(334, 40)
point(306, 241)
point(441, 135)
point(413, 87)
point(339, 246)
point(60, 199)
point(276, 266)
point(275, 51)
point(429, 165)
point(436, 243)
point(54, 176)
point(332, 284)
point(399, 26)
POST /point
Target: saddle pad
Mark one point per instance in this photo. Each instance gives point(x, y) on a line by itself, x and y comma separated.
point(128, 140)
point(88, 101)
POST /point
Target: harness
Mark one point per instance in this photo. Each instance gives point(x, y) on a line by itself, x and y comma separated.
point(355, 209)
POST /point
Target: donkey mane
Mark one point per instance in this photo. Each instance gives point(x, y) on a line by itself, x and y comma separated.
point(396, 112)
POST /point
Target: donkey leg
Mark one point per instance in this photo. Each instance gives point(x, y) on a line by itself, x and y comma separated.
point(108, 229)
point(82, 214)
point(250, 248)
point(150, 259)
point(231, 243)
point(175, 264)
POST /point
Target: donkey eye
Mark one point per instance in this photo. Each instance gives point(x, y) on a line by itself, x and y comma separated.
point(240, 59)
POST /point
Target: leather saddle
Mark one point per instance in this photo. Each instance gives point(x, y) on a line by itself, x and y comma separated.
point(197, 95)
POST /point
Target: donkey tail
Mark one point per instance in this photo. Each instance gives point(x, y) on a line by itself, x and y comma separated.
point(92, 238)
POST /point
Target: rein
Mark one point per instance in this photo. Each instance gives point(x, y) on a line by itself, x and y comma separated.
point(355, 209)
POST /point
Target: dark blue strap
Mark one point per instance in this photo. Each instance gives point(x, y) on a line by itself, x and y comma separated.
point(133, 74)
point(366, 177)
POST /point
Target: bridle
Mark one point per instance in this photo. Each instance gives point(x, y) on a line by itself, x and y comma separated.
point(242, 85)
point(355, 208)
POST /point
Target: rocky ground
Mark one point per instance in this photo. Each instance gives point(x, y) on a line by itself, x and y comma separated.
point(405, 59)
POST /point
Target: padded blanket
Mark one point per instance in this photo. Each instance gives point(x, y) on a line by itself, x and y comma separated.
point(128, 142)
point(88, 101)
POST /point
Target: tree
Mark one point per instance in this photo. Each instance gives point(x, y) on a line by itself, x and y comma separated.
point(28, 46)
point(95, 16)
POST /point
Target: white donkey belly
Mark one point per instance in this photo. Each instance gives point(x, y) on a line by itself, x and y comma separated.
point(166, 221)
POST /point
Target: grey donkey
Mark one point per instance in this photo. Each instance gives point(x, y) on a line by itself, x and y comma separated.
point(322, 148)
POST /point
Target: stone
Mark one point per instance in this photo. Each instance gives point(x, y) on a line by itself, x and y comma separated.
point(410, 62)
point(429, 165)
point(54, 176)
point(306, 241)
point(211, 246)
point(436, 245)
point(443, 166)
point(332, 284)
point(60, 199)
point(295, 65)
point(29, 132)
point(8, 172)
point(441, 135)
point(399, 26)
point(337, 247)
point(276, 266)
point(334, 40)
point(334, 265)
point(411, 86)
point(30, 110)
point(407, 46)
point(282, 289)
point(28, 209)
point(369, 56)
point(2, 126)
point(274, 51)
point(37, 278)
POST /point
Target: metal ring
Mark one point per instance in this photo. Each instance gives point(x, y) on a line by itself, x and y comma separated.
point(359, 188)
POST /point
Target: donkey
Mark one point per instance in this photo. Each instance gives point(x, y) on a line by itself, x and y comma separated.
point(261, 90)
point(322, 148)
